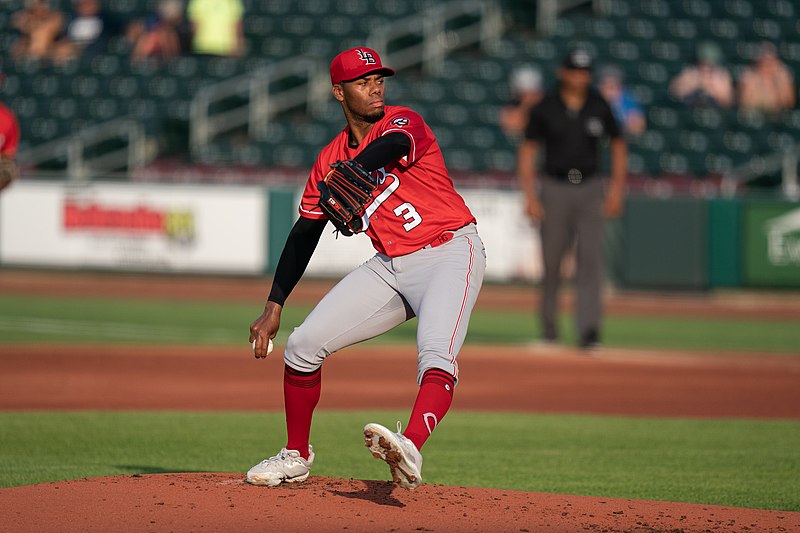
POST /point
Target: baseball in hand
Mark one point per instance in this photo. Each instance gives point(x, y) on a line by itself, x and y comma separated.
point(269, 346)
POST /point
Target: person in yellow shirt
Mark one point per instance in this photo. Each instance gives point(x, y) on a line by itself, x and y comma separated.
point(217, 27)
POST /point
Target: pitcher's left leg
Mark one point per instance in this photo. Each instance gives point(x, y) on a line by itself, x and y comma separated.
point(452, 282)
point(443, 300)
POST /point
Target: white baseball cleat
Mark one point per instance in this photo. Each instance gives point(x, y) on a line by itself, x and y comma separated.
point(403, 458)
point(286, 467)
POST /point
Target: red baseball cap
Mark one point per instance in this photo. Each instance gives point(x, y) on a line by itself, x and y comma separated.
point(355, 63)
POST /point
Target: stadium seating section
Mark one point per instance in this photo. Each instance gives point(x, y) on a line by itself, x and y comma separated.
point(651, 40)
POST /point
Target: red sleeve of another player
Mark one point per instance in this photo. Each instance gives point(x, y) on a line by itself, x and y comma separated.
point(410, 123)
point(9, 148)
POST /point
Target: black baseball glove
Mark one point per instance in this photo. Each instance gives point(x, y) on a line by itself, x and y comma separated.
point(344, 195)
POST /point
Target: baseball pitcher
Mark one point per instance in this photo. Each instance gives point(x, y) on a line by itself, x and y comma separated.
point(383, 175)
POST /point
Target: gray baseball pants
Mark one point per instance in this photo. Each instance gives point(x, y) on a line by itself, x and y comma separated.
point(439, 285)
point(572, 215)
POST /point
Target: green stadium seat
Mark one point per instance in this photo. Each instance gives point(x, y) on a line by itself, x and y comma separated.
point(636, 163)
point(709, 118)
point(768, 29)
point(641, 29)
point(651, 140)
point(780, 141)
point(718, 163)
point(277, 47)
point(162, 87)
point(742, 9)
point(183, 67)
point(600, 29)
point(470, 92)
point(695, 9)
point(445, 136)
point(618, 8)
point(452, 114)
point(429, 90)
point(622, 51)
point(680, 29)
point(694, 141)
point(723, 29)
point(780, 9)
point(105, 65)
point(674, 163)
point(659, 9)
point(663, 118)
point(274, 8)
point(62, 108)
point(459, 160)
point(499, 160)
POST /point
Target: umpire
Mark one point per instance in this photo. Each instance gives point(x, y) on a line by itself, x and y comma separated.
point(571, 199)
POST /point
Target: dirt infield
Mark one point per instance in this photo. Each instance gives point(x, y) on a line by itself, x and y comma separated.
point(566, 381)
point(222, 502)
point(622, 382)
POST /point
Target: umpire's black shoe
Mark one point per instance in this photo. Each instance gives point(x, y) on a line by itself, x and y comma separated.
point(550, 334)
point(590, 340)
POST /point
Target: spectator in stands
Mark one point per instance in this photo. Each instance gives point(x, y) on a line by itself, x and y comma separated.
point(767, 85)
point(217, 27)
point(526, 92)
point(627, 110)
point(9, 139)
point(163, 35)
point(706, 83)
point(39, 26)
point(87, 32)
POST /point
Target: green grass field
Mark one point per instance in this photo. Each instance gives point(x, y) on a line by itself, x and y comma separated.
point(745, 463)
point(728, 462)
point(42, 319)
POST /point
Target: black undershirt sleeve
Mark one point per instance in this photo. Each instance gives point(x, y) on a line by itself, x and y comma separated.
point(306, 232)
point(297, 252)
point(383, 151)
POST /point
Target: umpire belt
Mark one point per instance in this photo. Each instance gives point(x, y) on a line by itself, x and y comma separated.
point(573, 176)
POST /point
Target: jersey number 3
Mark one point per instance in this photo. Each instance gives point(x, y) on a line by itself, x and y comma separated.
point(408, 212)
point(405, 210)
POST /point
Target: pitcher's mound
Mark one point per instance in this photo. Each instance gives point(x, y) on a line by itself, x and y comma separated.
point(224, 502)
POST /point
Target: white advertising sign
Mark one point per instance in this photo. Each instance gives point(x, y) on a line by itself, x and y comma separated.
point(134, 226)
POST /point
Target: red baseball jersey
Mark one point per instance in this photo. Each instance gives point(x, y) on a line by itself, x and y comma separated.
point(9, 132)
point(415, 201)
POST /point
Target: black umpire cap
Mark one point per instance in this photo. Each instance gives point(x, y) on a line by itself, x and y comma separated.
point(577, 59)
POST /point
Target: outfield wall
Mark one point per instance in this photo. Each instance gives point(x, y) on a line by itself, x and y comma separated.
point(673, 244)
point(210, 229)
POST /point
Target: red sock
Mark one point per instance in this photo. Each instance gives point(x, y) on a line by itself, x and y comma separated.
point(433, 401)
point(300, 395)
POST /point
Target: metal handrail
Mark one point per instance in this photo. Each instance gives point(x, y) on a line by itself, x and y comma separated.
point(785, 161)
point(261, 102)
point(435, 39)
point(136, 154)
point(547, 12)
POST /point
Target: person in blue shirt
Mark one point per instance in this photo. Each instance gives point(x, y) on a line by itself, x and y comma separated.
point(626, 108)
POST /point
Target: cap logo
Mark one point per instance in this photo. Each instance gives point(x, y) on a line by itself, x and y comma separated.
point(366, 57)
point(581, 59)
